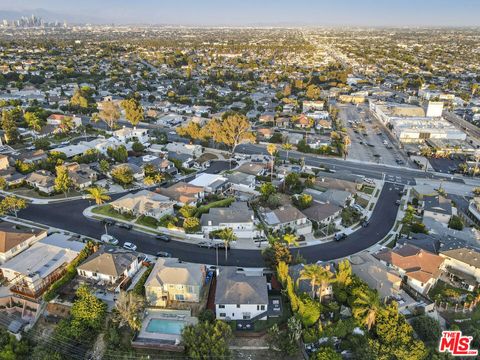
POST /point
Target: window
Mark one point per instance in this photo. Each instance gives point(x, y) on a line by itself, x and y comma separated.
point(221, 306)
point(179, 297)
point(262, 307)
point(238, 306)
point(223, 314)
point(94, 274)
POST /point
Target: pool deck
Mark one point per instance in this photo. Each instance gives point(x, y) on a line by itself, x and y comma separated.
point(166, 314)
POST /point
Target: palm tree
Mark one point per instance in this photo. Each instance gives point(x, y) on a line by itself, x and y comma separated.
point(346, 144)
point(344, 273)
point(227, 235)
point(98, 194)
point(291, 239)
point(66, 124)
point(272, 148)
point(326, 277)
point(128, 308)
point(287, 147)
point(312, 274)
point(366, 307)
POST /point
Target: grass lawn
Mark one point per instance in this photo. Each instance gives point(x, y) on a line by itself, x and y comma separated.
point(107, 210)
point(147, 221)
point(368, 189)
point(361, 201)
point(24, 191)
point(439, 291)
point(220, 203)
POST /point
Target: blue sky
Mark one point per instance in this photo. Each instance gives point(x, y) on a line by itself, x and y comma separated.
point(258, 12)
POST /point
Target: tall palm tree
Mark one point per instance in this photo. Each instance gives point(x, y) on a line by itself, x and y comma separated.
point(346, 143)
point(344, 273)
point(366, 307)
point(291, 239)
point(227, 235)
point(272, 149)
point(326, 277)
point(312, 274)
point(98, 194)
point(287, 147)
point(66, 124)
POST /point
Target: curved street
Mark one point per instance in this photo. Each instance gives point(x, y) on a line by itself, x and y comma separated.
point(68, 216)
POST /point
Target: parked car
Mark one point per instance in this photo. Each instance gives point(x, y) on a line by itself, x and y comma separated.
point(130, 246)
point(125, 226)
point(365, 223)
point(108, 239)
point(205, 244)
point(340, 236)
point(163, 254)
point(163, 238)
point(109, 222)
point(397, 202)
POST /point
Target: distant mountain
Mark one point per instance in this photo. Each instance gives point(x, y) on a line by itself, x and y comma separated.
point(49, 16)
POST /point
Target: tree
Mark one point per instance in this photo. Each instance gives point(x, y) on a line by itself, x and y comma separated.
point(207, 340)
point(267, 189)
point(427, 328)
point(110, 113)
point(187, 211)
point(227, 236)
point(290, 239)
point(122, 175)
point(344, 273)
point(66, 124)
point(119, 154)
point(104, 166)
point(9, 127)
point(87, 310)
point(293, 183)
point(326, 353)
point(312, 274)
point(272, 149)
point(287, 147)
point(79, 98)
point(12, 204)
point(138, 147)
point(191, 224)
point(366, 307)
point(41, 143)
point(63, 182)
point(303, 201)
point(346, 143)
point(3, 183)
point(313, 92)
point(191, 130)
point(276, 253)
point(133, 110)
point(455, 223)
point(98, 194)
point(33, 121)
point(129, 307)
point(231, 131)
point(153, 179)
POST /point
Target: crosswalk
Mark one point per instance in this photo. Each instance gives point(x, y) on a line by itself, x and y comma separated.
point(399, 180)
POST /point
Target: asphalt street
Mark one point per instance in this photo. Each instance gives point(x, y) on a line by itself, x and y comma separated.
point(68, 216)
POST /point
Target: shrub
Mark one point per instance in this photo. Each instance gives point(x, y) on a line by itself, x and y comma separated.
point(455, 223)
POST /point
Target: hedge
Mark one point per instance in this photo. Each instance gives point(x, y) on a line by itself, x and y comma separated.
point(220, 203)
point(70, 273)
point(139, 288)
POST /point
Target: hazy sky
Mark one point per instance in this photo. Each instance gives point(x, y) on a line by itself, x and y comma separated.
point(257, 12)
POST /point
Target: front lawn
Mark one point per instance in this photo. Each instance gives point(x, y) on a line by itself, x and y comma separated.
point(368, 189)
point(220, 203)
point(147, 221)
point(107, 210)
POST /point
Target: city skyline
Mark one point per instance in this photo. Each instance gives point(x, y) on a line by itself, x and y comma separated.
point(253, 13)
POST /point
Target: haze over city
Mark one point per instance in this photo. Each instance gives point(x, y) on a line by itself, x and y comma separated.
point(254, 12)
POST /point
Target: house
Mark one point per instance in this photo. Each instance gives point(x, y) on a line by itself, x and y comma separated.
point(266, 117)
point(56, 120)
point(186, 161)
point(251, 169)
point(4, 162)
point(82, 175)
point(331, 196)
point(126, 135)
point(158, 163)
point(211, 183)
point(173, 280)
point(237, 216)
point(110, 264)
point(303, 122)
point(419, 268)
point(287, 218)
point(33, 271)
point(138, 172)
point(42, 180)
point(190, 149)
point(239, 296)
point(464, 263)
point(242, 182)
point(282, 122)
point(312, 105)
point(31, 157)
point(266, 133)
point(15, 239)
point(9, 173)
point(144, 202)
point(183, 193)
point(322, 213)
point(437, 208)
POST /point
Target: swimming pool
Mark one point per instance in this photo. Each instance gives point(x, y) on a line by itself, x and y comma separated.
point(162, 326)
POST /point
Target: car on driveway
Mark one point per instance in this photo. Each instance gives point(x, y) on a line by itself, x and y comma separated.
point(163, 254)
point(125, 226)
point(163, 238)
point(130, 246)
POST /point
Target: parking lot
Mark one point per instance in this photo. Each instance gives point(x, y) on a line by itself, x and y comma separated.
point(369, 139)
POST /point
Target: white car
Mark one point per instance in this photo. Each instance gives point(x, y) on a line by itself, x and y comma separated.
point(109, 239)
point(130, 246)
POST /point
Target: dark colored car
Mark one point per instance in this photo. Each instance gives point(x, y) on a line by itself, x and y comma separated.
point(163, 238)
point(125, 226)
point(109, 222)
point(163, 254)
point(340, 236)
